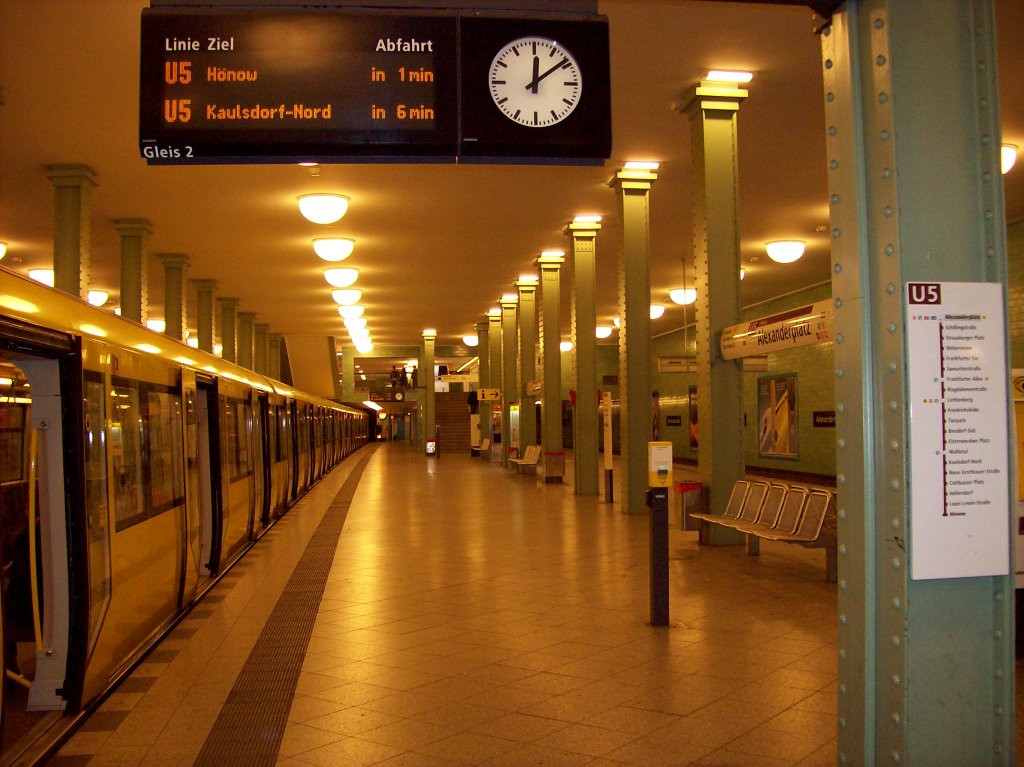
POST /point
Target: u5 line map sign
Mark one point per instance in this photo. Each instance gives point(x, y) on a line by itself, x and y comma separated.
point(344, 85)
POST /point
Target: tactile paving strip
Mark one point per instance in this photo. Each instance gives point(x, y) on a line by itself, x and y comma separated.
point(250, 726)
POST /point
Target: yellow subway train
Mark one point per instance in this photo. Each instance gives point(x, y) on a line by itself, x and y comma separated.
point(134, 470)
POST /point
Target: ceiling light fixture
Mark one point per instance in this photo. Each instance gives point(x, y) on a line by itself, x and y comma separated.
point(494, 311)
point(729, 76)
point(587, 219)
point(341, 276)
point(333, 248)
point(602, 331)
point(157, 326)
point(3, 250)
point(785, 251)
point(1007, 157)
point(529, 278)
point(192, 341)
point(565, 346)
point(323, 208)
point(364, 347)
point(44, 276)
point(97, 297)
point(656, 311)
point(616, 322)
point(683, 296)
point(743, 273)
point(346, 297)
point(510, 298)
point(355, 322)
point(351, 312)
point(641, 165)
point(471, 340)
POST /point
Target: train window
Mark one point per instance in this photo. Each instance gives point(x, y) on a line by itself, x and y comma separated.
point(146, 449)
point(165, 448)
point(237, 456)
point(96, 505)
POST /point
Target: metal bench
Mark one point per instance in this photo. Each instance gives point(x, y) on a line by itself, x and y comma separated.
point(529, 458)
point(482, 449)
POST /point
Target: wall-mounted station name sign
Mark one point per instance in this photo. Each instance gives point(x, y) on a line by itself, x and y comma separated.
point(334, 85)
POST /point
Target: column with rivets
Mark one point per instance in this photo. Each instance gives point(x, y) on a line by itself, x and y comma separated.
point(527, 286)
point(259, 354)
point(228, 328)
point(427, 377)
point(246, 328)
point(494, 376)
point(348, 373)
point(550, 264)
point(483, 376)
point(72, 190)
point(509, 303)
point(204, 313)
point(926, 664)
point(135, 234)
point(175, 320)
point(584, 341)
point(634, 188)
point(274, 341)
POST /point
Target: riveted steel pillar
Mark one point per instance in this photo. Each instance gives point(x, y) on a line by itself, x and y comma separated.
point(527, 360)
point(274, 340)
point(134, 267)
point(925, 666)
point(204, 314)
point(259, 354)
point(712, 110)
point(72, 195)
point(509, 390)
point(229, 328)
point(427, 377)
point(483, 350)
point(175, 320)
point(493, 372)
point(348, 373)
point(246, 327)
point(584, 351)
point(550, 337)
point(634, 188)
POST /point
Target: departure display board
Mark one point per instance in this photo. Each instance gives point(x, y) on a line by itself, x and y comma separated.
point(284, 85)
point(343, 85)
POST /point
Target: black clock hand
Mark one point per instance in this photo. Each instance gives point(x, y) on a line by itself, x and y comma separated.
point(532, 85)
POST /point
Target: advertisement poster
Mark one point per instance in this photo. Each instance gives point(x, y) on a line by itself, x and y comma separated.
point(777, 417)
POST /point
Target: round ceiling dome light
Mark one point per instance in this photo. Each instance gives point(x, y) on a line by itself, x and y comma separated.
point(602, 331)
point(44, 276)
point(351, 312)
point(333, 248)
point(346, 297)
point(341, 277)
point(355, 323)
point(657, 310)
point(565, 346)
point(471, 340)
point(97, 297)
point(785, 251)
point(683, 296)
point(1007, 157)
point(323, 208)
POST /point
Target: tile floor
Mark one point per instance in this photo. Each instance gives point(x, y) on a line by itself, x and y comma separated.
point(475, 616)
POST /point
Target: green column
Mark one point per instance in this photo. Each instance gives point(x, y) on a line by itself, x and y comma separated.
point(244, 350)
point(494, 369)
point(175, 320)
point(527, 286)
point(72, 195)
point(205, 312)
point(483, 375)
point(259, 354)
point(925, 666)
point(712, 109)
point(427, 377)
point(135, 234)
point(584, 351)
point(634, 187)
point(509, 303)
point(348, 373)
point(229, 328)
point(274, 340)
point(550, 265)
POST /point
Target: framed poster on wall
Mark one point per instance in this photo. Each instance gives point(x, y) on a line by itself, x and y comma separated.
point(777, 433)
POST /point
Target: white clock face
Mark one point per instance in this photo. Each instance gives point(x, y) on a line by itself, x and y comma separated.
point(535, 82)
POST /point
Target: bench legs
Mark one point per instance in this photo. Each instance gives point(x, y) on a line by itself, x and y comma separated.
point(753, 545)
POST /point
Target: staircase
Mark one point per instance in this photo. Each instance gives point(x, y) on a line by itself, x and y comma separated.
point(451, 413)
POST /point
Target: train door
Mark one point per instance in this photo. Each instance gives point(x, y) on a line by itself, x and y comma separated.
point(294, 434)
point(44, 624)
point(261, 466)
point(192, 569)
point(264, 435)
point(210, 496)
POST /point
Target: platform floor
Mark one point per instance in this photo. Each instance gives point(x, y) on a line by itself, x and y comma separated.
point(470, 615)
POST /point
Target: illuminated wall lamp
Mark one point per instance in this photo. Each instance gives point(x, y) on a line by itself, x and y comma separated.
point(1007, 157)
point(683, 296)
point(602, 331)
point(333, 248)
point(785, 251)
point(323, 208)
point(346, 297)
point(341, 277)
